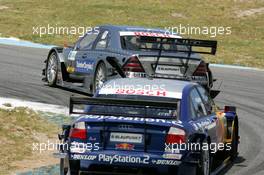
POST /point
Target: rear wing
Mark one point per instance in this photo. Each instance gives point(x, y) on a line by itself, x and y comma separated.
point(193, 45)
point(139, 104)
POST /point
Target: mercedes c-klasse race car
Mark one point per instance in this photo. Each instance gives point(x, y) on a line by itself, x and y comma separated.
point(174, 128)
point(138, 51)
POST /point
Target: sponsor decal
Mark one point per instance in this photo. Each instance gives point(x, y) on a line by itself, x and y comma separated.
point(166, 69)
point(111, 159)
point(84, 66)
point(125, 146)
point(137, 119)
point(158, 93)
point(79, 147)
point(140, 91)
point(172, 156)
point(126, 137)
point(70, 69)
point(123, 159)
point(150, 34)
point(165, 162)
point(202, 124)
point(83, 157)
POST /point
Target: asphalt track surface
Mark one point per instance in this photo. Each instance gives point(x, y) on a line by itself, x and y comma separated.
point(20, 77)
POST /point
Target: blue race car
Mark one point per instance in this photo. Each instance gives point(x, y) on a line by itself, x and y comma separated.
point(138, 51)
point(148, 126)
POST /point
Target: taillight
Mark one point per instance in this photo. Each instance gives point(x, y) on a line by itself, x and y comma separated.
point(133, 65)
point(201, 69)
point(230, 109)
point(175, 136)
point(78, 131)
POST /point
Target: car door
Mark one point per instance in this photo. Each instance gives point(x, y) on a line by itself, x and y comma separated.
point(81, 58)
point(211, 114)
point(101, 46)
point(203, 119)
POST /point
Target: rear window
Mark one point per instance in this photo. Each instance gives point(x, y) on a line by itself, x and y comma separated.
point(135, 111)
point(146, 43)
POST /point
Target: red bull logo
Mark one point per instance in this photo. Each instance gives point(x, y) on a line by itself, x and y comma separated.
point(125, 146)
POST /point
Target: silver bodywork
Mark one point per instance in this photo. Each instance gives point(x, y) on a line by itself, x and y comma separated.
point(83, 81)
point(173, 88)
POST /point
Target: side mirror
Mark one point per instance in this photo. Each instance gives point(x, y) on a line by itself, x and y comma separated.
point(65, 132)
point(214, 93)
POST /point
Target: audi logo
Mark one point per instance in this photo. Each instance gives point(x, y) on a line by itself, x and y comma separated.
point(125, 126)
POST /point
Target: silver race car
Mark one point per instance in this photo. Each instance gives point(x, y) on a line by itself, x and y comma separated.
point(114, 51)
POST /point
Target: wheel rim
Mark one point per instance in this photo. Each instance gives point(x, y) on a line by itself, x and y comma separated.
point(52, 68)
point(100, 77)
point(206, 162)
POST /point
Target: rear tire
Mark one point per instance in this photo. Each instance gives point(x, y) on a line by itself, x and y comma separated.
point(99, 77)
point(70, 168)
point(186, 169)
point(52, 69)
point(204, 167)
point(63, 167)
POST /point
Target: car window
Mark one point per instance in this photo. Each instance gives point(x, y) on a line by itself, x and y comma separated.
point(135, 111)
point(197, 106)
point(208, 102)
point(103, 41)
point(192, 111)
point(146, 43)
point(87, 42)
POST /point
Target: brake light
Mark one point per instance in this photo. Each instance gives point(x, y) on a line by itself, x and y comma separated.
point(78, 131)
point(175, 136)
point(230, 109)
point(133, 65)
point(201, 69)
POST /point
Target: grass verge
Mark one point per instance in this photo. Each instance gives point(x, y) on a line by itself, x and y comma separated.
point(19, 129)
point(244, 46)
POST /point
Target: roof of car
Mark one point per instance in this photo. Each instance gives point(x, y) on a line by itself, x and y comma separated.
point(145, 86)
point(134, 28)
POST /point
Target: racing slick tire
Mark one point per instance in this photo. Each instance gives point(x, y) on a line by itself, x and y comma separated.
point(204, 166)
point(205, 163)
point(70, 168)
point(99, 77)
point(234, 143)
point(52, 69)
point(186, 169)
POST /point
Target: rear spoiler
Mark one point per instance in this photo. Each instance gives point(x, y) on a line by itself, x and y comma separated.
point(190, 43)
point(145, 104)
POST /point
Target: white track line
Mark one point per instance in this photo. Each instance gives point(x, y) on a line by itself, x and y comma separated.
point(36, 106)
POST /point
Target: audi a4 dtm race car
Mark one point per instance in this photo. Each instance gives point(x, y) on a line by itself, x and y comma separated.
point(138, 51)
point(174, 128)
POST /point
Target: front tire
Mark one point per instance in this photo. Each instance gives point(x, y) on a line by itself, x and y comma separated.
point(234, 143)
point(100, 77)
point(52, 69)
